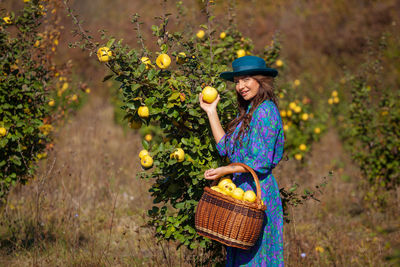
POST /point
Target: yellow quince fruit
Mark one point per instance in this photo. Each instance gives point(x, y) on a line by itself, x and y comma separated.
point(148, 137)
point(228, 188)
point(146, 161)
point(219, 190)
point(240, 53)
point(223, 182)
point(249, 196)
point(279, 63)
point(143, 112)
point(285, 127)
point(3, 131)
point(143, 153)
point(163, 61)
point(297, 109)
point(209, 94)
point(298, 156)
point(304, 117)
point(7, 20)
point(104, 54)
point(200, 34)
point(181, 57)
point(178, 154)
point(336, 100)
point(147, 62)
point(238, 193)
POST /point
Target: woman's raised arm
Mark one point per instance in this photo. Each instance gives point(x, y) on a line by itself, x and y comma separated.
point(211, 110)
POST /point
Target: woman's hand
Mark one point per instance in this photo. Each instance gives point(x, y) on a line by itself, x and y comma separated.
point(208, 108)
point(213, 174)
point(211, 110)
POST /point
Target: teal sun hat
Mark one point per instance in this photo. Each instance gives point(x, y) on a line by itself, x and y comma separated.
point(248, 65)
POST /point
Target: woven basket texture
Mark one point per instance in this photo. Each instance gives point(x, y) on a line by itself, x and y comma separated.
point(230, 221)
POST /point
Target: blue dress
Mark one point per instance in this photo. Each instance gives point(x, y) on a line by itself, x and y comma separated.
point(262, 150)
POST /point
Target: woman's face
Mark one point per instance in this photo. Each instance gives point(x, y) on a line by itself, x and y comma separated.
point(247, 87)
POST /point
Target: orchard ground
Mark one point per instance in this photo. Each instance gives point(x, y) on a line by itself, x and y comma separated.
point(91, 209)
point(86, 207)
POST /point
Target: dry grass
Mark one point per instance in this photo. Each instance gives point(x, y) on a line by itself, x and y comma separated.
point(86, 207)
point(350, 233)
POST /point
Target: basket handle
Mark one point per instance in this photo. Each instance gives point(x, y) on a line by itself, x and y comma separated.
point(255, 177)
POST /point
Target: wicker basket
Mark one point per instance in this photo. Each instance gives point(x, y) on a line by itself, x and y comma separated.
point(230, 221)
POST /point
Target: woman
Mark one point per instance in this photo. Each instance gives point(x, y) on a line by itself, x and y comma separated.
point(256, 139)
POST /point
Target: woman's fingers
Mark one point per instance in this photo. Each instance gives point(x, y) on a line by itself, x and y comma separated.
point(210, 174)
point(217, 99)
point(202, 104)
point(211, 177)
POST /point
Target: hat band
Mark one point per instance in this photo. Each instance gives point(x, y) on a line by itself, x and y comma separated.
point(248, 67)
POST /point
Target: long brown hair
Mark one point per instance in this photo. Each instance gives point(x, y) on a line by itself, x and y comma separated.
point(265, 92)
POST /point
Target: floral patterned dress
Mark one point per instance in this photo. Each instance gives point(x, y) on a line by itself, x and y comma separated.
point(262, 150)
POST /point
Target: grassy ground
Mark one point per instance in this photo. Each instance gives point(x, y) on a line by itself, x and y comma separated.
point(86, 207)
point(340, 230)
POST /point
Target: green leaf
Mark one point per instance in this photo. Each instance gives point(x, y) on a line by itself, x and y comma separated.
point(151, 74)
point(174, 96)
point(110, 42)
point(171, 229)
point(145, 144)
point(218, 50)
point(16, 160)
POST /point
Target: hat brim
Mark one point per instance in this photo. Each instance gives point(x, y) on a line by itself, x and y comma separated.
point(229, 75)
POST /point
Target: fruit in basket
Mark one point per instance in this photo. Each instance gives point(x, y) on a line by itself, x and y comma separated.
point(216, 188)
point(238, 193)
point(228, 188)
point(223, 182)
point(249, 196)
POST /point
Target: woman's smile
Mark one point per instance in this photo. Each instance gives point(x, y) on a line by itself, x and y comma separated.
point(247, 87)
point(244, 92)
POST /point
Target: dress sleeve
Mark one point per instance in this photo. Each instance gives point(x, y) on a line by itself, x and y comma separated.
point(221, 147)
point(264, 148)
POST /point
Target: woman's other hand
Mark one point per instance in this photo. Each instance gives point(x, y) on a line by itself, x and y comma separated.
point(208, 108)
point(213, 174)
